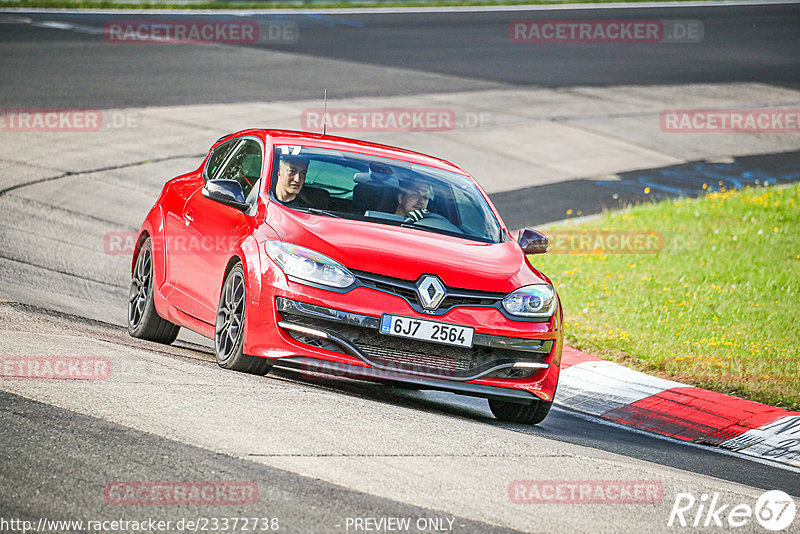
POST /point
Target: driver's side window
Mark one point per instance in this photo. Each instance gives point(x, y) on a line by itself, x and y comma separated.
point(240, 162)
point(244, 166)
point(218, 158)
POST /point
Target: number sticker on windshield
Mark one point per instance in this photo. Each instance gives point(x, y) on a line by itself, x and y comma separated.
point(288, 150)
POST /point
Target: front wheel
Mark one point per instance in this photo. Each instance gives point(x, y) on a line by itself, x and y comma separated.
point(143, 320)
point(514, 412)
point(229, 328)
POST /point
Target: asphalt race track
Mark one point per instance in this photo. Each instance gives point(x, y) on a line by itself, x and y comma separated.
point(51, 67)
point(320, 451)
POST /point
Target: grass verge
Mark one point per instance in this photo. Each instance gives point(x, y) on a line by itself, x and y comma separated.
point(705, 291)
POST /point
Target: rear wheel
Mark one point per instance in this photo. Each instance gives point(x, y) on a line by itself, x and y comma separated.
point(229, 328)
point(143, 320)
point(531, 414)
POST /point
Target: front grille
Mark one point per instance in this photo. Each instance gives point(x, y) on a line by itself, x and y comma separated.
point(407, 289)
point(408, 293)
point(407, 355)
point(455, 300)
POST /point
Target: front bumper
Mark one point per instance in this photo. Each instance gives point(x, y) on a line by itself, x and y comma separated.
point(358, 336)
point(311, 366)
point(291, 322)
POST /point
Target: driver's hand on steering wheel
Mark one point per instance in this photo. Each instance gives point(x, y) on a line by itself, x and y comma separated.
point(414, 216)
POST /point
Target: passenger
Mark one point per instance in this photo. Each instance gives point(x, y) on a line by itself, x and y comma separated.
point(412, 200)
point(291, 178)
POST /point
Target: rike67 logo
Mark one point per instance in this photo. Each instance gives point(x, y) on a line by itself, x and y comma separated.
point(774, 510)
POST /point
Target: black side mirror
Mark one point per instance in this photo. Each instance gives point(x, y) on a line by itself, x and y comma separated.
point(532, 241)
point(228, 192)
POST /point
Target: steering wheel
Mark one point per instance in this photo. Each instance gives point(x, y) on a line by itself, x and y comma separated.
point(418, 215)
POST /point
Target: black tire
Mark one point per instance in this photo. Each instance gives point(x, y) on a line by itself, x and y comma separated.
point(229, 328)
point(514, 412)
point(143, 320)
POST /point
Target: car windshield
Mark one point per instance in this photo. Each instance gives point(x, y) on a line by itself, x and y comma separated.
point(382, 191)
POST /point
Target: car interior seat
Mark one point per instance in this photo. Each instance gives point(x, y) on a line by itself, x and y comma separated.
point(374, 192)
point(316, 196)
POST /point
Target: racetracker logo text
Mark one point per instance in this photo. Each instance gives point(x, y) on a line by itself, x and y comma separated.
point(65, 120)
point(124, 243)
point(439, 367)
point(606, 31)
point(585, 492)
point(379, 119)
point(51, 120)
point(180, 493)
point(181, 31)
point(730, 121)
point(606, 242)
point(55, 368)
point(202, 31)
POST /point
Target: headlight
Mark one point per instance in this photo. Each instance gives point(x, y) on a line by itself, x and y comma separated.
point(305, 264)
point(531, 301)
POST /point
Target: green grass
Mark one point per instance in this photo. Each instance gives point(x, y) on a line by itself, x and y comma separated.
point(718, 306)
point(278, 4)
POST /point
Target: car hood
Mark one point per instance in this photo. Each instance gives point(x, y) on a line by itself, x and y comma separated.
point(408, 253)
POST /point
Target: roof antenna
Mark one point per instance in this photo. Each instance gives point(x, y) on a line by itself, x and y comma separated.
point(325, 112)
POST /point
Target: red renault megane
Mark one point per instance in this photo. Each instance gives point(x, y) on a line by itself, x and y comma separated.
point(338, 256)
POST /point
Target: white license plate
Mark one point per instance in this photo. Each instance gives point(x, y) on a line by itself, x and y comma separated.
point(396, 325)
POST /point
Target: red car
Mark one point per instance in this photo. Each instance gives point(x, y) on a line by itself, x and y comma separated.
point(338, 256)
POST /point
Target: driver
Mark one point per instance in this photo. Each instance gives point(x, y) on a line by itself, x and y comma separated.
point(412, 200)
point(291, 178)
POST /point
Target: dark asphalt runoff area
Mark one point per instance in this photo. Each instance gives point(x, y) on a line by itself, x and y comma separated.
point(47, 67)
point(583, 197)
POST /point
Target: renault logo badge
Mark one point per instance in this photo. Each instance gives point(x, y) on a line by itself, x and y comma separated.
point(430, 291)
